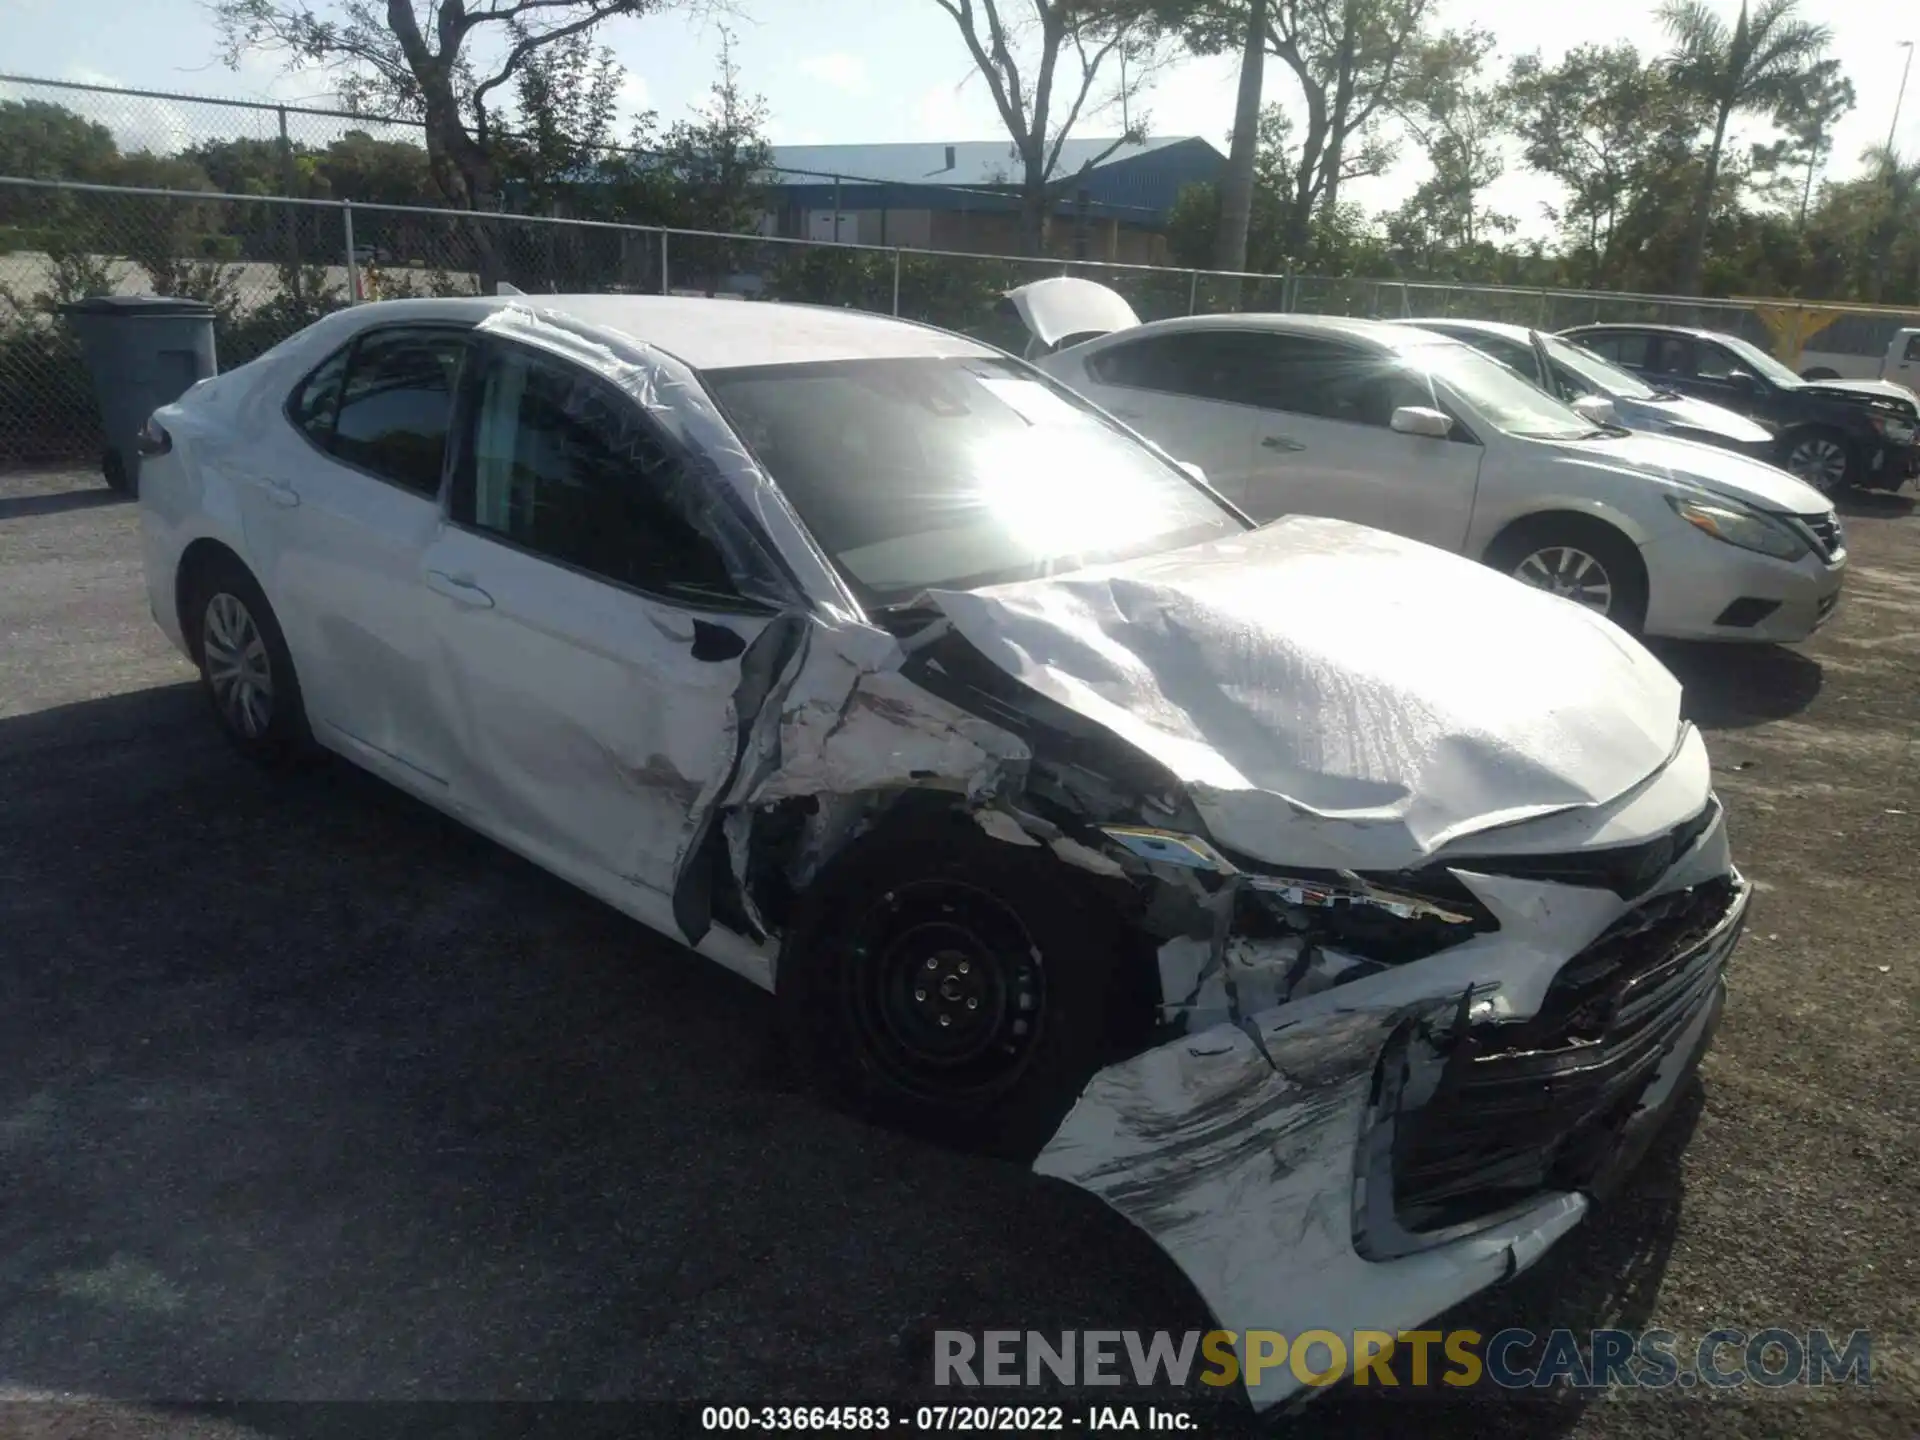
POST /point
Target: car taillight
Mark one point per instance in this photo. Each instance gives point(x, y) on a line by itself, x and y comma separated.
point(153, 438)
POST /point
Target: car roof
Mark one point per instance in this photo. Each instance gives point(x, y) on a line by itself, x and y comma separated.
point(710, 334)
point(1655, 326)
point(1380, 332)
point(1444, 324)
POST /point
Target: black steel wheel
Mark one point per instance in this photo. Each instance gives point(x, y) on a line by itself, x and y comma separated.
point(959, 986)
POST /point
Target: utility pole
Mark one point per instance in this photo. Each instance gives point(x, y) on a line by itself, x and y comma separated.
point(1906, 45)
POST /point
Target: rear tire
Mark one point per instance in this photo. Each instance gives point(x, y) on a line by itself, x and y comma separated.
point(957, 986)
point(246, 671)
point(1583, 560)
point(1822, 458)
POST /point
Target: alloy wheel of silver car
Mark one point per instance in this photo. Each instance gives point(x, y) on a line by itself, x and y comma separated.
point(238, 667)
point(1819, 461)
point(1570, 572)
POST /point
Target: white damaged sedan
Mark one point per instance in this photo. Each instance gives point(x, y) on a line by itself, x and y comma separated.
point(1343, 913)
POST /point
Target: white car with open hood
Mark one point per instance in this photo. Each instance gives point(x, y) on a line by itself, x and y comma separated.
point(1342, 913)
point(1396, 427)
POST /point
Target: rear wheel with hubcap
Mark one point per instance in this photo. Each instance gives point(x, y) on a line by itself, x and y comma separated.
point(245, 669)
point(1582, 560)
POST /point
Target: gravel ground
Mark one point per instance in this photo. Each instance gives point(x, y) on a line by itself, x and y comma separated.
point(309, 1095)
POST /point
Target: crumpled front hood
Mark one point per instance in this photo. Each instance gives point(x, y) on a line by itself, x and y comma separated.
point(1707, 467)
point(1873, 389)
point(1334, 695)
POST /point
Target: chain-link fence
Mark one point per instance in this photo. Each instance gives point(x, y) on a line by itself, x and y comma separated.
point(270, 266)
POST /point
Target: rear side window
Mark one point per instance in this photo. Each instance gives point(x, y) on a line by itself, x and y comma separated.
point(316, 401)
point(396, 404)
point(572, 470)
point(1621, 347)
point(1913, 348)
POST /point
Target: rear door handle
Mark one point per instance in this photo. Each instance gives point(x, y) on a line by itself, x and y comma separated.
point(1282, 442)
point(283, 493)
point(459, 588)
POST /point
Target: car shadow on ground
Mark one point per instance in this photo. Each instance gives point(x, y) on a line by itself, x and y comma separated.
point(1730, 687)
point(1875, 504)
point(311, 1092)
point(20, 507)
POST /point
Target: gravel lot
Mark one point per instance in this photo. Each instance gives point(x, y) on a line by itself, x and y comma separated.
point(308, 1094)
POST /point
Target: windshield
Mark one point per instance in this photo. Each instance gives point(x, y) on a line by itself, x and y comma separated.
point(1588, 373)
point(1760, 361)
point(954, 473)
point(1501, 397)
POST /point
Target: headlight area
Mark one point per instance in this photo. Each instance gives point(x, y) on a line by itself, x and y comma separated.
point(1235, 940)
point(1737, 525)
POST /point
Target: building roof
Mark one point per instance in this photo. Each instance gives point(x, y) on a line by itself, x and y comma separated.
point(964, 162)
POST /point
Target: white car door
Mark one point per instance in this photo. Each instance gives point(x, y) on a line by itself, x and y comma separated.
point(335, 530)
point(588, 637)
point(1325, 445)
point(1175, 388)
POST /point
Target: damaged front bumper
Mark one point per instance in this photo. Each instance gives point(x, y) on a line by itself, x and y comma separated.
point(1367, 1157)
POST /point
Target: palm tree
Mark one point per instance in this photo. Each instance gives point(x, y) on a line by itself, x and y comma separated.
point(1757, 65)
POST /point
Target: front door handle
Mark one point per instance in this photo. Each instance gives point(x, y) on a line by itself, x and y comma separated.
point(283, 494)
point(1284, 443)
point(459, 588)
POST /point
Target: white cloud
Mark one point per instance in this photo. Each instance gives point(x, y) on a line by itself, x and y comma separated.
point(838, 69)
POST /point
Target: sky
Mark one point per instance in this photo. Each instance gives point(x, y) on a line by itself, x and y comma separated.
point(864, 71)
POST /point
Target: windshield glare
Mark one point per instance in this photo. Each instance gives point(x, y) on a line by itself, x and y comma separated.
point(1594, 374)
point(1760, 362)
point(1500, 396)
point(954, 473)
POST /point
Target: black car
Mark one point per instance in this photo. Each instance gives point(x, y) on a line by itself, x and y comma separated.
point(1831, 433)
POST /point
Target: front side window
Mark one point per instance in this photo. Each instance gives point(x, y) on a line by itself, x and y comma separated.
point(571, 469)
point(1204, 365)
point(397, 403)
point(954, 473)
point(1673, 355)
point(1621, 347)
point(1745, 355)
point(1913, 348)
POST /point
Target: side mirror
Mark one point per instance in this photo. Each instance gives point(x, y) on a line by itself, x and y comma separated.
point(1596, 408)
point(1421, 420)
point(1194, 470)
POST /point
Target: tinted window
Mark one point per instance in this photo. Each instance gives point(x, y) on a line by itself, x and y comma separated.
point(396, 405)
point(1520, 357)
point(572, 469)
point(316, 400)
point(1913, 348)
point(1672, 355)
point(1208, 365)
point(919, 473)
point(1313, 377)
point(1714, 363)
point(1622, 347)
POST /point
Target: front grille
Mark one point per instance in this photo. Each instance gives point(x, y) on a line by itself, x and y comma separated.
point(1538, 1105)
point(1825, 530)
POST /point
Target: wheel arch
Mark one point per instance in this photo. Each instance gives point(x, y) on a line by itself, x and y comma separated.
point(201, 556)
point(1559, 522)
point(1570, 512)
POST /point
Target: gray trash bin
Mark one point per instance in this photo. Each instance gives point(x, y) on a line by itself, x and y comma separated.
point(142, 351)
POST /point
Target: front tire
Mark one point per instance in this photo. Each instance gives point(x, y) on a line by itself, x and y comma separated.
point(1585, 561)
point(1822, 458)
point(246, 672)
point(958, 986)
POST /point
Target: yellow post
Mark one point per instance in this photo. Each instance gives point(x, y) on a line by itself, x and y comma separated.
point(1792, 326)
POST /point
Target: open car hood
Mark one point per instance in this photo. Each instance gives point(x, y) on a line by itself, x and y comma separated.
point(1705, 416)
point(1054, 309)
point(1332, 695)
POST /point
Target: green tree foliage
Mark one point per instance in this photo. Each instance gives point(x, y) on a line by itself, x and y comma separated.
point(1759, 64)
